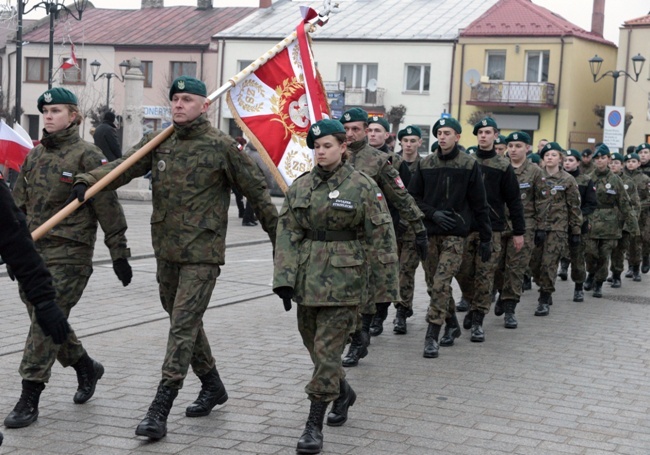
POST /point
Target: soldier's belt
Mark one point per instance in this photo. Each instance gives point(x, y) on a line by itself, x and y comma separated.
point(331, 236)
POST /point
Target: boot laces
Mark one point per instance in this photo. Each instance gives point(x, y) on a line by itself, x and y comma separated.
point(28, 400)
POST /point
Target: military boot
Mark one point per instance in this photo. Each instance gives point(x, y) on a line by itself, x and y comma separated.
point(431, 341)
point(377, 324)
point(578, 293)
point(509, 320)
point(589, 282)
point(645, 265)
point(89, 371)
point(400, 320)
point(339, 413)
point(26, 410)
point(366, 320)
point(467, 320)
point(527, 284)
point(154, 424)
point(598, 289)
point(476, 332)
point(462, 306)
point(543, 304)
point(499, 307)
point(311, 440)
point(212, 393)
point(636, 276)
point(356, 351)
point(616, 280)
point(630, 272)
point(1, 438)
point(563, 273)
point(452, 331)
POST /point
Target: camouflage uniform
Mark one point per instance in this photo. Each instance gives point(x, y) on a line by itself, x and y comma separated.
point(192, 173)
point(563, 218)
point(43, 186)
point(628, 232)
point(331, 277)
point(642, 183)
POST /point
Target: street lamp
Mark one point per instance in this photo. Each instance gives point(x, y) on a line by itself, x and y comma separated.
point(94, 68)
point(596, 62)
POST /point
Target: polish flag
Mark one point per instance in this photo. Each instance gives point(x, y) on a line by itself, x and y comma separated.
point(278, 102)
point(70, 62)
point(13, 148)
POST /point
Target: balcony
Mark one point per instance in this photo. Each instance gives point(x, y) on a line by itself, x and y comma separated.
point(513, 94)
point(364, 97)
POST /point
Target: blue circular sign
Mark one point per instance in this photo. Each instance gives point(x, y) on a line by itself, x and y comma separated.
point(614, 118)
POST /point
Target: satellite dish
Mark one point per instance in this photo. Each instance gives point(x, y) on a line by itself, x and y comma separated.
point(472, 78)
point(372, 85)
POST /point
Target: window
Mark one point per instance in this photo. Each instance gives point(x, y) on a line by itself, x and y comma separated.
point(179, 69)
point(243, 64)
point(537, 66)
point(495, 65)
point(361, 76)
point(76, 74)
point(147, 71)
point(417, 78)
point(36, 70)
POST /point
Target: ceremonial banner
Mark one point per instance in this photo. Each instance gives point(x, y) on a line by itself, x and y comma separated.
point(276, 105)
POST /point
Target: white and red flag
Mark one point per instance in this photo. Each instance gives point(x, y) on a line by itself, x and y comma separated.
point(70, 62)
point(13, 148)
point(276, 104)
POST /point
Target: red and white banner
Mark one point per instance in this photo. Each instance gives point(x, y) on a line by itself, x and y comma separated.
point(277, 103)
point(13, 148)
point(70, 62)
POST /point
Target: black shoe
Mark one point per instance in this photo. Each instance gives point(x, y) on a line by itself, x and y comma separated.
point(629, 273)
point(589, 282)
point(509, 320)
point(212, 393)
point(311, 440)
point(616, 281)
point(89, 371)
point(598, 290)
point(477, 335)
point(563, 273)
point(154, 424)
point(636, 276)
point(610, 279)
point(249, 223)
point(543, 304)
point(26, 410)
point(578, 295)
point(431, 341)
point(452, 331)
point(377, 324)
point(645, 264)
point(467, 320)
point(527, 284)
point(1, 438)
point(400, 320)
point(462, 306)
point(339, 413)
point(358, 350)
point(499, 307)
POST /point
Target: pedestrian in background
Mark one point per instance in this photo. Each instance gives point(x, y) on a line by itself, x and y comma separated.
point(105, 137)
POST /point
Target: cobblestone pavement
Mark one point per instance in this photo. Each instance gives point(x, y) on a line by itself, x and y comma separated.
point(576, 381)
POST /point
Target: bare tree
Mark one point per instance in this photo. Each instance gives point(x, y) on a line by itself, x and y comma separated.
point(395, 116)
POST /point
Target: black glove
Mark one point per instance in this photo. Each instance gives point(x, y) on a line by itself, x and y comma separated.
point(286, 294)
point(574, 240)
point(52, 321)
point(444, 219)
point(123, 270)
point(402, 228)
point(540, 237)
point(485, 250)
point(78, 193)
point(422, 245)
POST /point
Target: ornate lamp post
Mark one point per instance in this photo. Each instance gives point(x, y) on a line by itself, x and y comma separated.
point(95, 70)
point(596, 62)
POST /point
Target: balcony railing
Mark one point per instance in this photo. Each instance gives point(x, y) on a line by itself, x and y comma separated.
point(534, 94)
point(364, 97)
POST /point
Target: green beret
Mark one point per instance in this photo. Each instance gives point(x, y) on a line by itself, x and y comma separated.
point(471, 150)
point(644, 146)
point(356, 114)
point(434, 146)
point(501, 139)
point(519, 136)
point(487, 121)
point(448, 122)
point(632, 156)
point(534, 157)
point(186, 84)
point(574, 153)
point(410, 130)
point(381, 120)
point(56, 95)
point(551, 146)
point(617, 156)
point(323, 128)
point(602, 150)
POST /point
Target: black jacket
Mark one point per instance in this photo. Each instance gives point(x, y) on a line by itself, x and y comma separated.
point(106, 139)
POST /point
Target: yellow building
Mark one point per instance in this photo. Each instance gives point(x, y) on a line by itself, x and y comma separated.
point(529, 68)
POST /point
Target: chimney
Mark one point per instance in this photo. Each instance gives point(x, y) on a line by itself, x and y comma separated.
point(152, 4)
point(598, 18)
point(266, 3)
point(204, 4)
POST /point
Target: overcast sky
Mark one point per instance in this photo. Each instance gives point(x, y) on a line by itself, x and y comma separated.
point(576, 11)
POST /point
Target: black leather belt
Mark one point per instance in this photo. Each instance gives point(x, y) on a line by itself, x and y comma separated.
point(331, 236)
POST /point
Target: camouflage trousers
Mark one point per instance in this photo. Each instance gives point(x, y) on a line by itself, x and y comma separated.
point(443, 262)
point(408, 264)
point(577, 259)
point(597, 255)
point(512, 267)
point(546, 258)
point(40, 351)
point(476, 278)
point(634, 250)
point(185, 291)
point(644, 227)
point(618, 254)
point(324, 332)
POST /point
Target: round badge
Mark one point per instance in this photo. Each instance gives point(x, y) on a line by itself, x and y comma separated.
point(334, 194)
point(553, 191)
point(523, 195)
point(626, 187)
point(162, 165)
point(608, 186)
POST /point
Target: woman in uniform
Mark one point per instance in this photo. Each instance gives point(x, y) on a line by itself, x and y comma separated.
point(334, 223)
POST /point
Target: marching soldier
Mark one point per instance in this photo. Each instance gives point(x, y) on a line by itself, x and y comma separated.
point(643, 150)
point(500, 145)
point(193, 172)
point(642, 181)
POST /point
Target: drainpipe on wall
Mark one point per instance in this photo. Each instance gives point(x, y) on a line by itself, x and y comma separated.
point(559, 89)
point(451, 85)
point(460, 88)
point(627, 59)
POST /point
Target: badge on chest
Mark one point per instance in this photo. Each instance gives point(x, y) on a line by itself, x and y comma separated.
point(342, 204)
point(66, 177)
